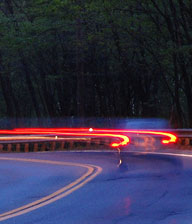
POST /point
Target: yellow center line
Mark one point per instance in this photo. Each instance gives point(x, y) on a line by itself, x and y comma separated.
point(92, 172)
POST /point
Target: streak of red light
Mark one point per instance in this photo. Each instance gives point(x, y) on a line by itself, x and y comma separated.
point(172, 137)
point(125, 140)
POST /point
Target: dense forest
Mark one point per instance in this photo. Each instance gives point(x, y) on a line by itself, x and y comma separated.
point(101, 58)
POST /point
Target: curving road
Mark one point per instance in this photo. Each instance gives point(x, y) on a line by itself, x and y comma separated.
point(90, 187)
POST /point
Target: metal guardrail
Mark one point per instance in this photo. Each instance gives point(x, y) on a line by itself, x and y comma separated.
point(52, 144)
point(184, 140)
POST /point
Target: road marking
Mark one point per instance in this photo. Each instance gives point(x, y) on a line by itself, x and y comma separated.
point(163, 153)
point(91, 173)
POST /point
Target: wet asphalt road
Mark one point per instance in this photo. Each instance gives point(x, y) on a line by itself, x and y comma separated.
point(145, 189)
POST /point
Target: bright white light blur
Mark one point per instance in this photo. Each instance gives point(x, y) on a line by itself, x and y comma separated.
point(56, 137)
point(90, 129)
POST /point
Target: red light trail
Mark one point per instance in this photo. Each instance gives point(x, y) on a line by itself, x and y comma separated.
point(37, 131)
point(172, 137)
point(114, 133)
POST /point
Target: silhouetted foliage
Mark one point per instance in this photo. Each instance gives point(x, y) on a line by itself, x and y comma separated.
point(104, 58)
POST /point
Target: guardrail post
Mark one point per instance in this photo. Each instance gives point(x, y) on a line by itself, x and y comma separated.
point(1, 147)
point(88, 142)
point(62, 145)
point(71, 143)
point(18, 147)
point(52, 146)
point(26, 147)
point(187, 141)
point(9, 148)
point(35, 147)
point(43, 147)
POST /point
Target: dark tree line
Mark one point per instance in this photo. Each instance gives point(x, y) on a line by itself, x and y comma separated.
point(104, 58)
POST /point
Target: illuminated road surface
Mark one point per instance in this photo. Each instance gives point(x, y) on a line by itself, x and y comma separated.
point(146, 189)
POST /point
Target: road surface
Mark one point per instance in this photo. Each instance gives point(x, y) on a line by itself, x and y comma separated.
point(90, 187)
